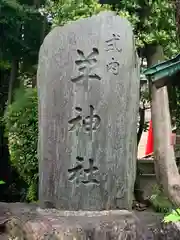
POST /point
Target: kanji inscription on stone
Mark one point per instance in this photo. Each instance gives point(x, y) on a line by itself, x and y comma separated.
point(85, 67)
point(79, 174)
point(89, 124)
point(121, 191)
point(112, 43)
point(113, 67)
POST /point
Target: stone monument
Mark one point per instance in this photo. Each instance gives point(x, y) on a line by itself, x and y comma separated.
point(88, 89)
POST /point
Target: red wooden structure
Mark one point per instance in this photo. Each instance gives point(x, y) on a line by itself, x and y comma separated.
point(149, 145)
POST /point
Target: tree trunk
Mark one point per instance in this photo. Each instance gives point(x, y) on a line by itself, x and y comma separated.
point(165, 166)
point(36, 3)
point(13, 76)
point(177, 15)
point(34, 81)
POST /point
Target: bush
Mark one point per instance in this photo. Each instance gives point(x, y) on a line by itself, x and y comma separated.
point(21, 121)
point(159, 200)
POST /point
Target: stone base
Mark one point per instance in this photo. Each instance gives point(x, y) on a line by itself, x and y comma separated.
point(170, 231)
point(29, 222)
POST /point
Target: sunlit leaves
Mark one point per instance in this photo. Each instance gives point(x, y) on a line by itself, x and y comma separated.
point(64, 11)
point(153, 21)
point(174, 216)
point(22, 131)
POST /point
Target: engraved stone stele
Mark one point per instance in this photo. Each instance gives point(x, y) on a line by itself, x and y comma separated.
point(88, 89)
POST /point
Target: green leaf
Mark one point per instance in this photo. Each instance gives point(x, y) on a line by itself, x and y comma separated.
point(172, 217)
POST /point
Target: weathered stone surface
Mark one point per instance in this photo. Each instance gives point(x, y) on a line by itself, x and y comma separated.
point(31, 223)
point(167, 231)
point(88, 88)
point(27, 221)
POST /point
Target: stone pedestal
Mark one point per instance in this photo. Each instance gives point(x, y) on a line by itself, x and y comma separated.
point(29, 222)
point(168, 231)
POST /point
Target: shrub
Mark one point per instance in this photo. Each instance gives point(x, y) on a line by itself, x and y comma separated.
point(21, 121)
point(159, 200)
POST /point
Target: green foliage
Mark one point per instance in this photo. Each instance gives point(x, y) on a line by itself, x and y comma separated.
point(21, 27)
point(153, 21)
point(12, 17)
point(174, 216)
point(159, 201)
point(22, 129)
point(2, 182)
point(65, 11)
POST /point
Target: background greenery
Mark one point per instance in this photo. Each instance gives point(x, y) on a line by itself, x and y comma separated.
point(24, 24)
point(21, 120)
